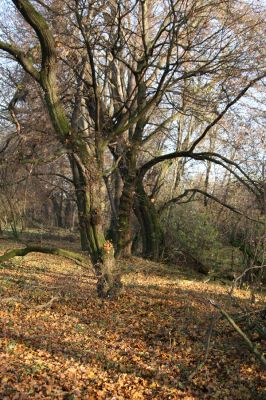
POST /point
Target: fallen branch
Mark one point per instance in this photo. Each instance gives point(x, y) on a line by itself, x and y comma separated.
point(40, 249)
point(7, 300)
point(251, 346)
point(238, 278)
point(47, 305)
point(19, 301)
point(207, 350)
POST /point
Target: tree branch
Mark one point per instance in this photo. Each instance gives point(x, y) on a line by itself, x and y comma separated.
point(22, 58)
point(38, 23)
point(222, 113)
point(251, 346)
point(40, 249)
point(187, 191)
point(201, 156)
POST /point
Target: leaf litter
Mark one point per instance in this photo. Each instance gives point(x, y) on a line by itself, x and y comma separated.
point(144, 345)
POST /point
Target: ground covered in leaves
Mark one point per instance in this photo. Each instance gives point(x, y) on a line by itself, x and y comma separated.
point(58, 341)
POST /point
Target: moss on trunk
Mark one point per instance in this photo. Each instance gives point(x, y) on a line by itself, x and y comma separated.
point(41, 249)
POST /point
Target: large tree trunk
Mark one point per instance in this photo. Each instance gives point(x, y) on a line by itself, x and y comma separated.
point(88, 188)
point(151, 232)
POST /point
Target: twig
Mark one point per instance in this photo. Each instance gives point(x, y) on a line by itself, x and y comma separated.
point(244, 273)
point(250, 313)
point(251, 346)
point(7, 300)
point(39, 307)
point(47, 305)
point(207, 350)
point(44, 287)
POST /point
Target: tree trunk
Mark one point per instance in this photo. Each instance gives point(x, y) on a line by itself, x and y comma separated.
point(68, 214)
point(88, 190)
point(124, 241)
point(117, 185)
point(128, 173)
point(86, 167)
point(58, 210)
point(151, 232)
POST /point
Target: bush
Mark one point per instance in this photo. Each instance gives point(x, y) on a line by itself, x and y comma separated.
point(189, 230)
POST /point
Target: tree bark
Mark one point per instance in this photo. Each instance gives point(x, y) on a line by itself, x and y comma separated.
point(88, 182)
point(128, 173)
point(114, 193)
point(58, 210)
point(151, 233)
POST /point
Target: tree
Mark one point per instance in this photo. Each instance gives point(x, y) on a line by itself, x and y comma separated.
point(85, 167)
point(113, 74)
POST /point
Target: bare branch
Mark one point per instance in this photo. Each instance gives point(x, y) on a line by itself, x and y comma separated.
point(251, 345)
point(22, 58)
point(222, 113)
point(186, 192)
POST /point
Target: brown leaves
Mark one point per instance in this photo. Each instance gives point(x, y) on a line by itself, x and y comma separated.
point(142, 346)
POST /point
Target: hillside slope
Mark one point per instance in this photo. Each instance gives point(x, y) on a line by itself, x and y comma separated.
point(58, 341)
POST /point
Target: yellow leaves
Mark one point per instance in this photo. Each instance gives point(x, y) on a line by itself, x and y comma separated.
point(71, 371)
point(165, 356)
point(28, 356)
point(90, 375)
point(137, 395)
point(108, 247)
point(92, 397)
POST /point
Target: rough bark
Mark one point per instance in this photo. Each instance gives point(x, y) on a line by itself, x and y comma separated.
point(88, 182)
point(124, 242)
point(114, 198)
point(151, 232)
point(109, 282)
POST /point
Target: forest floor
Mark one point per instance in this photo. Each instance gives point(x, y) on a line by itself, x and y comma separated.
point(59, 341)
